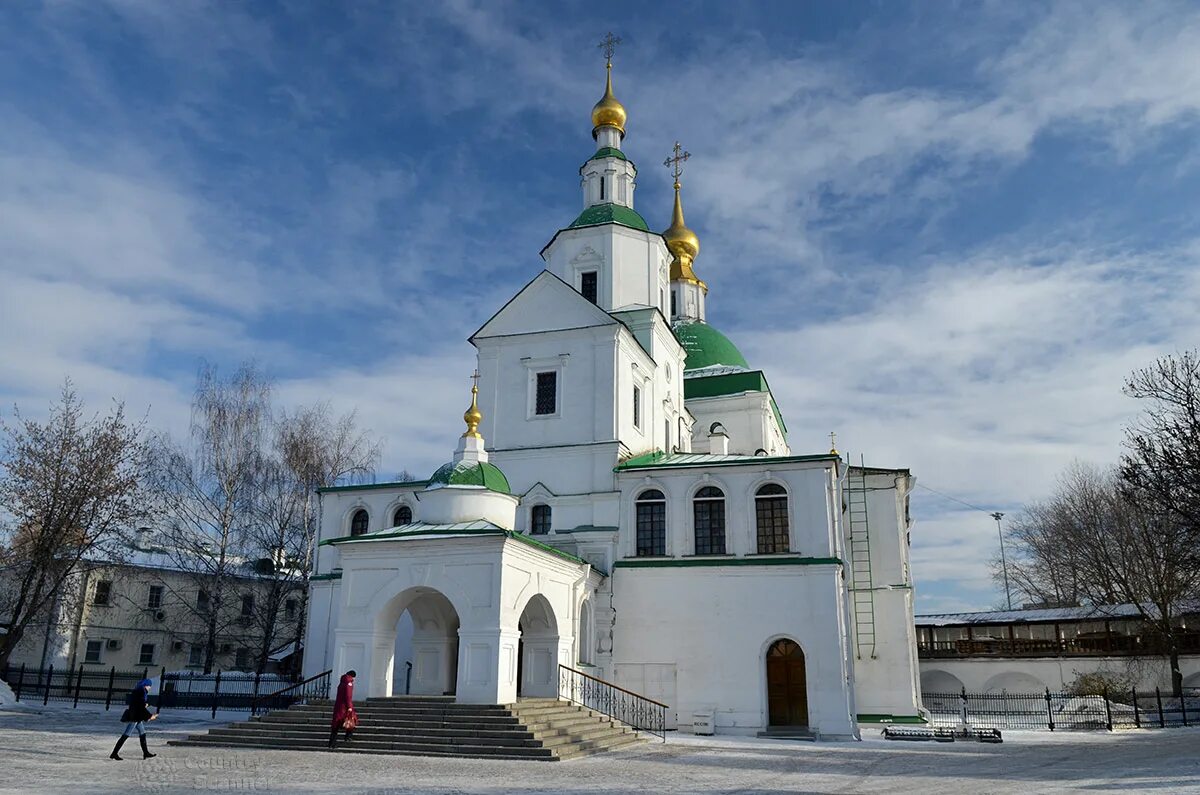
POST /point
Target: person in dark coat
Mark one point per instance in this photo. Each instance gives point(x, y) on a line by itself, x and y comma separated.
point(344, 716)
point(135, 716)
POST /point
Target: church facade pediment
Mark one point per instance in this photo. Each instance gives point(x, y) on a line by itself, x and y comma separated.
point(547, 303)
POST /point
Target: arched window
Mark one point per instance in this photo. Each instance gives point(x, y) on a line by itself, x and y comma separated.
point(651, 523)
point(708, 514)
point(403, 516)
point(359, 522)
point(539, 520)
point(771, 517)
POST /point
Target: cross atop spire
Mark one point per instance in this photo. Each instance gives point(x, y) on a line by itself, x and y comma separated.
point(676, 161)
point(609, 45)
point(833, 443)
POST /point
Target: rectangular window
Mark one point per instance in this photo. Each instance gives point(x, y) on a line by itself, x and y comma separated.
point(146, 656)
point(156, 596)
point(651, 528)
point(772, 520)
point(602, 181)
point(92, 654)
point(241, 660)
point(248, 605)
point(637, 406)
point(196, 655)
point(587, 285)
point(202, 601)
point(103, 593)
point(709, 517)
point(540, 520)
point(546, 395)
point(667, 435)
point(674, 304)
point(289, 608)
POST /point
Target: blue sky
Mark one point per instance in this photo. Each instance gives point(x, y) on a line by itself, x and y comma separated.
point(945, 230)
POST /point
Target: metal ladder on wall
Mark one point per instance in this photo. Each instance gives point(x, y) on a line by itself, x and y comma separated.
point(862, 588)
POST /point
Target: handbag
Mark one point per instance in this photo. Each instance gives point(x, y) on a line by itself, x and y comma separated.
point(350, 722)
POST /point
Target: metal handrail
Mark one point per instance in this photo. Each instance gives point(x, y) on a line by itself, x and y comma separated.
point(633, 709)
point(254, 704)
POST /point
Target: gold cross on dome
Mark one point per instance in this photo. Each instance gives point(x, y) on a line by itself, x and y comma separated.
point(833, 443)
point(609, 45)
point(475, 380)
point(675, 162)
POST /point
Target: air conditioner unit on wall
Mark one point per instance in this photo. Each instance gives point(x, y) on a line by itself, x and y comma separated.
point(226, 648)
point(177, 646)
point(113, 644)
point(160, 615)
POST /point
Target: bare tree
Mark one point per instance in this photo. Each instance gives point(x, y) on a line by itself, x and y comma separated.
point(1162, 460)
point(207, 491)
point(1096, 539)
point(312, 449)
point(69, 487)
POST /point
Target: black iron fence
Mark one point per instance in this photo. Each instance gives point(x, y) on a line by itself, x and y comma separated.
point(314, 688)
point(1111, 710)
point(637, 711)
point(87, 684)
point(229, 690)
point(172, 689)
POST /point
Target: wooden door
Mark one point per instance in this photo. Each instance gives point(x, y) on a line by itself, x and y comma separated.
point(787, 688)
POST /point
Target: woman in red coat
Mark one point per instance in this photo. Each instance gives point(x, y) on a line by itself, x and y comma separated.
point(344, 716)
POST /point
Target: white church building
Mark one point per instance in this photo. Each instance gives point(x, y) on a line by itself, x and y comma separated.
point(625, 502)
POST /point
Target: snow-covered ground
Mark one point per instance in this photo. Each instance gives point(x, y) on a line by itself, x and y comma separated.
point(61, 750)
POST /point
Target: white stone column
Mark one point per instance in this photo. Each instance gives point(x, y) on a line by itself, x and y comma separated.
point(487, 666)
point(369, 654)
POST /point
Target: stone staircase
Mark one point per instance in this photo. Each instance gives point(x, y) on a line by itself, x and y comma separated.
point(543, 729)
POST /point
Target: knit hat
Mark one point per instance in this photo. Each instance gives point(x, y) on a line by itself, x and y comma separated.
point(145, 683)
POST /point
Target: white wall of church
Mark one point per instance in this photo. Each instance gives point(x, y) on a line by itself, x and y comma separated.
point(809, 488)
point(887, 681)
point(696, 638)
point(748, 419)
point(631, 264)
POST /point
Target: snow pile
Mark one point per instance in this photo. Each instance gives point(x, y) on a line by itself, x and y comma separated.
point(7, 699)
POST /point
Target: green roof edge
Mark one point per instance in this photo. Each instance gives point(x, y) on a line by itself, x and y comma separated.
point(476, 531)
point(646, 461)
point(367, 486)
point(704, 386)
point(671, 563)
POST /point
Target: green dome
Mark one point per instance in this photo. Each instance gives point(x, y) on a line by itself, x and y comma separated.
point(707, 347)
point(610, 214)
point(470, 474)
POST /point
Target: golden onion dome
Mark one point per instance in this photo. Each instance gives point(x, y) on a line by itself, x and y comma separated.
point(608, 112)
point(683, 245)
point(473, 416)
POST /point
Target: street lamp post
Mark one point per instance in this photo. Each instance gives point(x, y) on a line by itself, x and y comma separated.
point(1003, 560)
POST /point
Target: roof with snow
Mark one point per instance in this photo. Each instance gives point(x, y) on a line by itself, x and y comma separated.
point(1029, 616)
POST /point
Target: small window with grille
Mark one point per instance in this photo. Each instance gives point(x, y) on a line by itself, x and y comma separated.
point(539, 524)
point(545, 399)
point(94, 647)
point(588, 285)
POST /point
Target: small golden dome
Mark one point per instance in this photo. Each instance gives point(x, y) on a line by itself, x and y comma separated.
point(473, 416)
point(683, 245)
point(608, 112)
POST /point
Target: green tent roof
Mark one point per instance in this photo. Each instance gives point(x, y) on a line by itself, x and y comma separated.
point(463, 473)
point(610, 214)
point(707, 347)
point(608, 151)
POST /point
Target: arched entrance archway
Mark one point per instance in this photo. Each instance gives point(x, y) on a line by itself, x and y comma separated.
point(422, 622)
point(537, 671)
point(787, 684)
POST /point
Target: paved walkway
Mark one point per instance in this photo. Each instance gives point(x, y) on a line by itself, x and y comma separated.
point(64, 751)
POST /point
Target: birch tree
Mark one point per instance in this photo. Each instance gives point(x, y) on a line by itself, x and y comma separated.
point(69, 487)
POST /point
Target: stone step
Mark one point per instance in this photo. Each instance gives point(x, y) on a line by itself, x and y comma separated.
point(430, 729)
point(395, 721)
point(322, 735)
point(544, 729)
point(354, 746)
